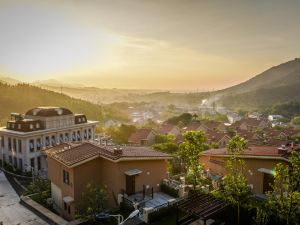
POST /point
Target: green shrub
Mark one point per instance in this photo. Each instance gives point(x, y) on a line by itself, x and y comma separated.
point(169, 190)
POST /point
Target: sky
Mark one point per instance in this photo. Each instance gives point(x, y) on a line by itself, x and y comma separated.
point(147, 44)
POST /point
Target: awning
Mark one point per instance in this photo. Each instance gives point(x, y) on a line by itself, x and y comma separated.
point(133, 172)
point(264, 170)
point(68, 199)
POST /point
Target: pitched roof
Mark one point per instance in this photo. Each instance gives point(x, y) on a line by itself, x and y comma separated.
point(48, 111)
point(211, 124)
point(193, 126)
point(139, 134)
point(166, 128)
point(249, 121)
point(250, 151)
point(215, 136)
point(74, 154)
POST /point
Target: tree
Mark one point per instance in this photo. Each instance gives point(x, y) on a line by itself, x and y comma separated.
point(93, 201)
point(190, 151)
point(121, 134)
point(296, 120)
point(40, 190)
point(236, 189)
point(284, 200)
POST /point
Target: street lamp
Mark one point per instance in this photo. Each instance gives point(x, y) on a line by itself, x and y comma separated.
point(119, 217)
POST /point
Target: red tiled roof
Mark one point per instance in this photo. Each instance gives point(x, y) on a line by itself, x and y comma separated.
point(73, 154)
point(166, 128)
point(193, 126)
point(215, 136)
point(250, 151)
point(212, 124)
point(249, 121)
point(139, 134)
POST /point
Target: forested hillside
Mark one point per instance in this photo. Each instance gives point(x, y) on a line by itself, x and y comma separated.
point(22, 97)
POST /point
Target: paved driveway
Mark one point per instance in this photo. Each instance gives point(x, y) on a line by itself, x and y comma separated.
point(11, 211)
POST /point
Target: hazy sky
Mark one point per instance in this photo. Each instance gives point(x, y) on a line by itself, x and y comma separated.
point(157, 44)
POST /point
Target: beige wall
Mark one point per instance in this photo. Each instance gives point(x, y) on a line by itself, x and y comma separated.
point(108, 173)
point(216, 165)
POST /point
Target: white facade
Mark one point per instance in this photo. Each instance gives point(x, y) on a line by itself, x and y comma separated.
point(274, 117)
point(23, 150)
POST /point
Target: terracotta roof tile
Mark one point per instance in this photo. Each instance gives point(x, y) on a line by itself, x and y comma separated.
point(139, 134)
point(76, 153)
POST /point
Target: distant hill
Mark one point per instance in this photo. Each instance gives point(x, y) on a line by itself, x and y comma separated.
point(276, 85)
point(22, 97)
point(9, 80)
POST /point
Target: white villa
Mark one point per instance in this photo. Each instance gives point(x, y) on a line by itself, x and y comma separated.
point(24, 136)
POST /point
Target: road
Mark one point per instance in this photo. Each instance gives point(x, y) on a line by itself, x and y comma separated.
point(11, 211)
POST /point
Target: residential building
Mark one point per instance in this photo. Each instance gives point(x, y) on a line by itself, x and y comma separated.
point(251, 124)
point(218, 138)
point(169, 129)
point(122, 170)
point(25, 136)
point(209, 125)
point(142, 137)
point(233, 117)
point(260, 164)
point(274, 117)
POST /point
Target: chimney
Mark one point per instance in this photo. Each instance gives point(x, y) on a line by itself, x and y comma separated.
point(282, 150)
point(118, 151)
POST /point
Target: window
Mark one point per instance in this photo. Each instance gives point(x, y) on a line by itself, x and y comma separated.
point(90, 134)
point(74, 136)
point(37, 126)
point(31, 126)
point(69, 209)
point(85, 134)
point(47, 141)
point(20, 164)
point(10, 159)
point(78, 136)
point(66, 177)
point(53, 140)
point(12, 125)
point(79, 120)
point(9, 144)
point(32, 162)
point(15, 162)
point(65, 206)
point(66, 137)
point(14, 144)
point(2, 141)
point(61, 138)
point(38, 144)
point(19, 126)
point(20, 146)
point(39, 162)
point(31, 145)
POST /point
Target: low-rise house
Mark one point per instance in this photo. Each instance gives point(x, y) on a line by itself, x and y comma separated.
point(260, 164)
point(218, 138)
point(251, 124)
point(274, 117)
point(255, 115)
point(142, 137)
point(169, 129)
point(206, 126)
point(122, 170)
point(233, 117)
